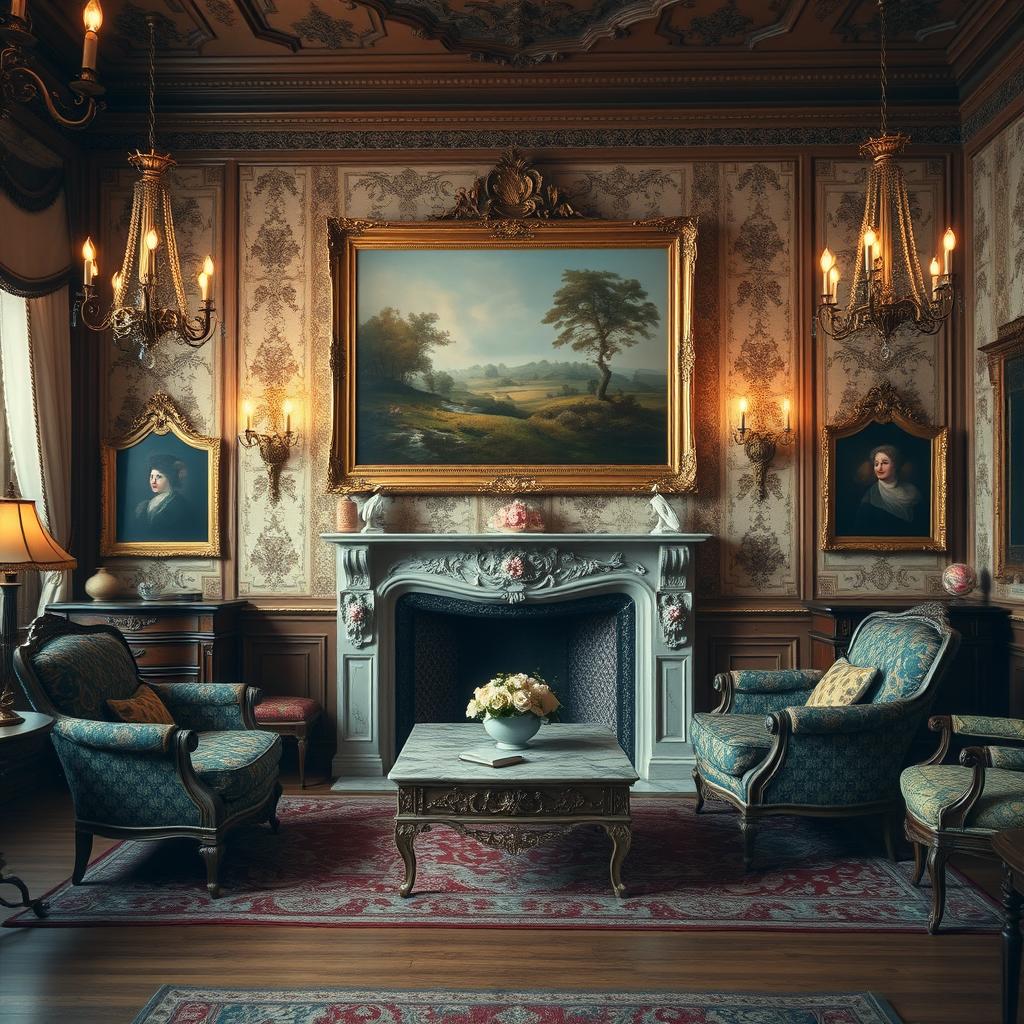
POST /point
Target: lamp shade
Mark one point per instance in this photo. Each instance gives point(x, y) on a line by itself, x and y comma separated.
point(25, 543)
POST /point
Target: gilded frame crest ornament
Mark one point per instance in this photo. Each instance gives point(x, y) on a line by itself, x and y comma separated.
point(1006, 374)
point(882, 405)
point(511, 208)
point(201, 536)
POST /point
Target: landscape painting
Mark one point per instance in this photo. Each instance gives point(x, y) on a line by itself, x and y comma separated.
point(471, 361)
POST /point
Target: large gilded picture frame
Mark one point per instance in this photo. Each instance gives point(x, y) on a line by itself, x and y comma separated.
point(883, 478)
point(462, 362)
point(161, 487)
point(1006, 373)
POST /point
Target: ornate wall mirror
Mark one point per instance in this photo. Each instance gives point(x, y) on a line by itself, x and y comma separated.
point(1006, 371)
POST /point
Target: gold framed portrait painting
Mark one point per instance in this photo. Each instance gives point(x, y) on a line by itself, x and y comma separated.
point(549, 355)
point(161, 487)
point(883, 479)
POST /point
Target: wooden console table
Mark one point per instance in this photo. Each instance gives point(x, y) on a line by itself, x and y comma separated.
point(34, 724)
point(573, 775)
point(172, 641)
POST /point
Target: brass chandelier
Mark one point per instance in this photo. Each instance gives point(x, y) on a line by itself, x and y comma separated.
point(888, 288)
point(136, 317)
point(23, 79)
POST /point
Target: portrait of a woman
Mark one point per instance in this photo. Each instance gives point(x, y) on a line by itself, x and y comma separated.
point(891, 506)
point(167, 514)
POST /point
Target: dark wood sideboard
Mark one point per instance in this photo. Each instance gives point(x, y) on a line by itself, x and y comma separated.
point(173, 641)
point(977, 682)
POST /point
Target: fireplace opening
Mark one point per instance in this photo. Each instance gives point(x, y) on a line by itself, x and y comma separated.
point(445, 647)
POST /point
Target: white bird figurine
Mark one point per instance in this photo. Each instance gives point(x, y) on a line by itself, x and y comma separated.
point(372, 513)
point(668, 521)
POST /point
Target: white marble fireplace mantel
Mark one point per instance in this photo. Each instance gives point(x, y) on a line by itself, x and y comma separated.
point(655, 570)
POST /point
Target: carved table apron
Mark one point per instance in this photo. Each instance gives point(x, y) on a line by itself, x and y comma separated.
point(574, 775)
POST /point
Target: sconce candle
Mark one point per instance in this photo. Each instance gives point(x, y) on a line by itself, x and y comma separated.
point(204, 286)
point(785, 412)
point(828, 261)
point(833, 280)
point(93, 18)
point(934, 271)
point(88, 256)
point(287, 410)
point(948, 245)
point(743, 415)
point(274, 448)
point(247, 411)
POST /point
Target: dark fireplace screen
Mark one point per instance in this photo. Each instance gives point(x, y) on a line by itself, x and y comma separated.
point(445, 647)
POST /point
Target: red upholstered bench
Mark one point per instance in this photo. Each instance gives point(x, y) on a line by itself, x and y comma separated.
point(290, 716)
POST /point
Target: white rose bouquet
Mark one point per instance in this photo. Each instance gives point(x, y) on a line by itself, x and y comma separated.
point(509, 694)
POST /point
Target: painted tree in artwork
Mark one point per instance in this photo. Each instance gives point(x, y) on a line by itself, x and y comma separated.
point(601, 313)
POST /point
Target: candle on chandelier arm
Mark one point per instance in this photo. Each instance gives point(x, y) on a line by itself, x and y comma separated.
point(934, 270)
point(869, 244)
point(948, 245)
point(287, 409)
point(247, 410)
point(743, 415)
point(88, 258)
point(833, 281)
point(785, 412)
point(204, 286)
point(152, 240)
point(93, 18)
point(827, 262)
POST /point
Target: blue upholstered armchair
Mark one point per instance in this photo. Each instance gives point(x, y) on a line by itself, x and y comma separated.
point(764, 752)
point(201, 777)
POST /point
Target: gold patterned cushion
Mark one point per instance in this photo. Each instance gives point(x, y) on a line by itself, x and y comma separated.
point(142, 706)
point(842, 684)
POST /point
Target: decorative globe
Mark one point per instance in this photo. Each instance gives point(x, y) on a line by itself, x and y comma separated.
point(959, 579)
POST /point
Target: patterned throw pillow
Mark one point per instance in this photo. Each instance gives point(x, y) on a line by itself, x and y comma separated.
point(842, 684)
point(142, 706)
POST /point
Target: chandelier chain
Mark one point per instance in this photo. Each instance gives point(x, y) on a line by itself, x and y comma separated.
point(151, 21)
point(883, 68)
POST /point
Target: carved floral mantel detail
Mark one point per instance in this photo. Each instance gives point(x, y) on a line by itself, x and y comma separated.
point(674, 614)
point(357, 616)
point(514, 572)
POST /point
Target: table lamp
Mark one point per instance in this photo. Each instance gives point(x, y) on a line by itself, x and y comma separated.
point(24, 544)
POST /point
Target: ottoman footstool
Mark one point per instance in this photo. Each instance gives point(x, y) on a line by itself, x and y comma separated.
point(290, 716)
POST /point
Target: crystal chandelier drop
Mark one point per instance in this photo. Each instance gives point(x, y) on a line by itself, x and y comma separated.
point(151, 271)
point(888, 289)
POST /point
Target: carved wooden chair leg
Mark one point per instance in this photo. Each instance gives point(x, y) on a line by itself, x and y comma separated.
point(700, 791)
point(937, 857)
point(83, 850)
point(919, 858)
point(748, 826)
point(300, 741)
point(212, 854)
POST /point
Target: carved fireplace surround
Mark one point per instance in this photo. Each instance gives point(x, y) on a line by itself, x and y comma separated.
point(654, 571)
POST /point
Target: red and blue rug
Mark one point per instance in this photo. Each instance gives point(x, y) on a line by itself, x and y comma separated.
point(179, 1005)
point(334, 863)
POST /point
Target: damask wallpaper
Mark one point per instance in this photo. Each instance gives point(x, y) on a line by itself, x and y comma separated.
point(747, 328)
point(997, 183)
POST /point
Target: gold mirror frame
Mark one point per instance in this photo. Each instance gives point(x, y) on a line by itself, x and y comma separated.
point(1007, 562)
point(487, 221)
point(883, 404)
point(160, 416)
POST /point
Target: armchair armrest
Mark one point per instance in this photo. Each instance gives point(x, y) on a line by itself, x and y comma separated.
point(851, 718)
point(119, 737)
point(208, 707)
point(1008, 758)
point(979, 726)
point(757, 691)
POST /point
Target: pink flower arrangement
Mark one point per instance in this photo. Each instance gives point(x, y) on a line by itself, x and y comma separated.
point(513, 567)
point(517, 516)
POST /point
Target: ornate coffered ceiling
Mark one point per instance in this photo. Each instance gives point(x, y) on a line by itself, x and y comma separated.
point(276, 55)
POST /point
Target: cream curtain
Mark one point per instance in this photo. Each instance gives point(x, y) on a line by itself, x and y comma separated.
point(35, 346)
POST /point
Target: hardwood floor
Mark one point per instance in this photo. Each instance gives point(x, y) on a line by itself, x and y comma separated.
point(105, 975)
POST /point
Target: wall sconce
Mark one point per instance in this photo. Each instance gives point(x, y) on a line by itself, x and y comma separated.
point(760, 445)
point(274, 448)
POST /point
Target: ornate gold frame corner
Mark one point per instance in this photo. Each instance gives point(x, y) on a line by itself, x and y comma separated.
point(512, 208)
point(159, 416)
point(1007, 564)
point(884, 404)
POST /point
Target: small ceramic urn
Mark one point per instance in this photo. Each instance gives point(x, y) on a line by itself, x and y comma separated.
point(103, 585)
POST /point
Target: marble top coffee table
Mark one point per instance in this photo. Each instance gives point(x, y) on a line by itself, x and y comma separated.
point(573, 775)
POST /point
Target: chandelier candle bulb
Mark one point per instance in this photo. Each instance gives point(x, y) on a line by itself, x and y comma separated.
point(204, 286)
point(247, 412)
point(833, 281)
point(743, 415)
point(948, 245)
point(785, 413)
point(934, 270)
point(88, 255)
point(93, 18)
point(869, 244)
point(827, 263)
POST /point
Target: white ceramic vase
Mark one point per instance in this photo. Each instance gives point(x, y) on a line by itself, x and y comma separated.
point(103, 585)
point(512, 733)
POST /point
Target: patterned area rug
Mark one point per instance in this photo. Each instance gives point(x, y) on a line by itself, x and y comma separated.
point(178, 1005)
point(334, 863)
